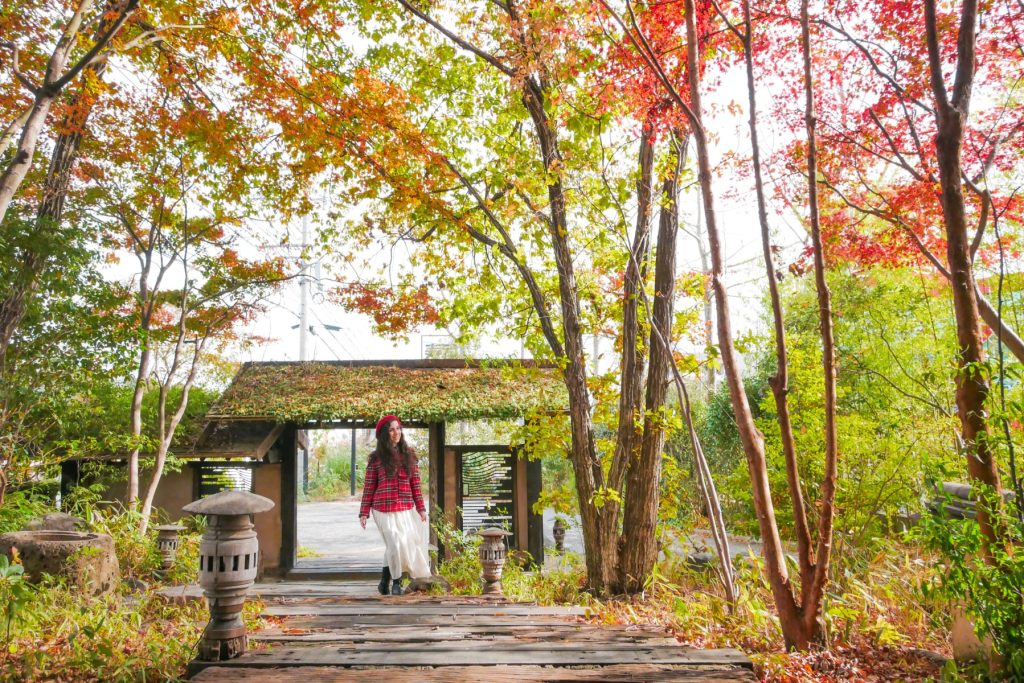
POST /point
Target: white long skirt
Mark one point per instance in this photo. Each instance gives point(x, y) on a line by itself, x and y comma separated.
point(405, 538)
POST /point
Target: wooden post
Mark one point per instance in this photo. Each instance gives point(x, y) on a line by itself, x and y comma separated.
point(435, 469)
point(534, 520)
point(289, 499)
point(70, 475)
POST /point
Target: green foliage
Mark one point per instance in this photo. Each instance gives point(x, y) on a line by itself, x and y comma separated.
point(990, 592)
point(14, 593)
point(461, 566)
point(21, 507)
point(64, 635)
point(54, 632)
point(872, 607)
point(896, 421)
point(462, 569)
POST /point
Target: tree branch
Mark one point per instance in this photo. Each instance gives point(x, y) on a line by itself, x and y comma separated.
point(464, 44)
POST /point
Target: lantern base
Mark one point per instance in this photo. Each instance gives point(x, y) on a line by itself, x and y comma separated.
point(223, 639)
point(492, 587)
point(221, 649)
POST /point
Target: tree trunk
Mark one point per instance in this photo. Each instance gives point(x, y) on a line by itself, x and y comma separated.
point(639, 551)
point(55, 188)
point(167, 431)
point(16, 171)
point(813, 584)
point(599, 512)
point(991, 317)
point(632, 361)
point(971, 385)
point(136, 422)
point(750, 437)
point(779, 382)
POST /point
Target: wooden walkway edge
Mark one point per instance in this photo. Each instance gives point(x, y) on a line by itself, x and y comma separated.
point(354, 635)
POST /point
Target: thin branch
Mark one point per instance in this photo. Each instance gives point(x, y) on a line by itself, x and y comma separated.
point(464, 44)
point(99, 45)
point(16, 69)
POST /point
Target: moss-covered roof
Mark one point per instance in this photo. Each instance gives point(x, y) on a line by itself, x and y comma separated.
point(424, 391)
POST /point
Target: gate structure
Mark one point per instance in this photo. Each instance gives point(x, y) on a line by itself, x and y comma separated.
point(253, 434)
point(495, 486)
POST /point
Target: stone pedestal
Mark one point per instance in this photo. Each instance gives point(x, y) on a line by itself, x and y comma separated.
point(85, 560)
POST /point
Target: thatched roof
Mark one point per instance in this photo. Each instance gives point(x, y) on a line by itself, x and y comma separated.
point(419, 391)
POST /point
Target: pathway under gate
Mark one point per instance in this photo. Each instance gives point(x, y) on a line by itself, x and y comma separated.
point(343, 631)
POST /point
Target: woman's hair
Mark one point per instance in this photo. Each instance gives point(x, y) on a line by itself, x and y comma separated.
point(392, 459)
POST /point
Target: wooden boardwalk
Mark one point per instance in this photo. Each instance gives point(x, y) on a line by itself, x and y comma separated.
point(335, 632)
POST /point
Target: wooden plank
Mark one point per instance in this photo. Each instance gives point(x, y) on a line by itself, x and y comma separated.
point(367, 620)
point(381, 609)
point(491, 674)
point(399, 633)
point(533, 655)
point(444, 640)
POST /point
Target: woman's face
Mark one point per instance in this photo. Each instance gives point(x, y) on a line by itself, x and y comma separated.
point(395, 432)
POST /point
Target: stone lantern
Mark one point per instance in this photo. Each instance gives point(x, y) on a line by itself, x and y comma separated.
point(558, 531)
point(228, 556)
point(167, 543)
point(492, 557)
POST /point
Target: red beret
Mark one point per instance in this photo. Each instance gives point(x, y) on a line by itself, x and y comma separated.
point(384, 420)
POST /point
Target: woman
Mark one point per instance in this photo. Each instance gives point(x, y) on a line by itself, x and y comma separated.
point(391, 490)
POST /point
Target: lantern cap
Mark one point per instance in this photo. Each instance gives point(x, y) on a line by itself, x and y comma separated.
point(230, 503)
point(493, 532)
point(169, 527)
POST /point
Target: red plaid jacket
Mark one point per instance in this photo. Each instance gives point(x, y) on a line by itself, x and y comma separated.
point(390, 494)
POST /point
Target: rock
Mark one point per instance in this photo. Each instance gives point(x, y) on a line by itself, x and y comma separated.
point(56, 521)
point(136, 585)
point(85, 560)
point(424, 585)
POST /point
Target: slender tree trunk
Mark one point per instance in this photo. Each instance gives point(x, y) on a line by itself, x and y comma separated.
point(992, 318)
point(708, 309)
point(632, 361)
point(971, 384)
point(16, 171)
point(779, 382)
point(168, 429)
point(640, 510)
point(136, 422)
point(813, 585)
point(750, 437)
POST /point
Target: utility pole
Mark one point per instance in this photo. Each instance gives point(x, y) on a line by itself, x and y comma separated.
point(352, 471)
point(303, 290)
point(303, 333)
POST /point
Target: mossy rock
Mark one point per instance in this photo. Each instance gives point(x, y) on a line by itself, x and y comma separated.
point(425, 585)
point(84, 560)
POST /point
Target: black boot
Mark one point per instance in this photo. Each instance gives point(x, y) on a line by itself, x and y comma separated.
point(385, 578)
point(396, 587)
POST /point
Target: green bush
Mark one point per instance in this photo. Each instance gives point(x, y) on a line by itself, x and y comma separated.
point(990, 592)
point(63, 635)
point(21, 507)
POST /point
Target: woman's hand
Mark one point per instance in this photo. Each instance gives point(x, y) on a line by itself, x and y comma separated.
point(362, 522)
point(423, 517)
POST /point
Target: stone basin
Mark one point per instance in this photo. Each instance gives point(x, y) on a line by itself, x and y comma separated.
point(85, 560)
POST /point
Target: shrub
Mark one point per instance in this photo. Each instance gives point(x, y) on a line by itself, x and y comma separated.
point(991, 593)
point(21, 507)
